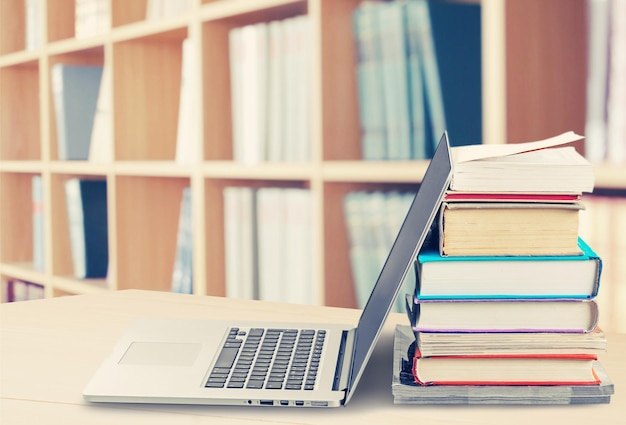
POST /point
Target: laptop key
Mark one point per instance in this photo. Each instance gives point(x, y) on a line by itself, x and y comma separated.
point(214, 385)
point(227, 357)
point(255, 384)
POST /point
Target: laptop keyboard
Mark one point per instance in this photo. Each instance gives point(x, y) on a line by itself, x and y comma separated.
point(268, 358)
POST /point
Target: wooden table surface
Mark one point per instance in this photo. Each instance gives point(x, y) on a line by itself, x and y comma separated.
point(50, 348)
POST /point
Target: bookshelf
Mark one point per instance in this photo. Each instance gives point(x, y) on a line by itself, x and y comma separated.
point(145, 183)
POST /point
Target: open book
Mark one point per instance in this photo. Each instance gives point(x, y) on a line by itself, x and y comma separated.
point(533, 167)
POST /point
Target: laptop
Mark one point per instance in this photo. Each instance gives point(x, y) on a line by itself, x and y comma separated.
point(191, 361)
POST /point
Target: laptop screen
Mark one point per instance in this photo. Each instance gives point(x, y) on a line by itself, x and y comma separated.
point(408, 242)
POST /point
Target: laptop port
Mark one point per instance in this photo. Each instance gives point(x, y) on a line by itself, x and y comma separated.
point(266, 402)
point(319, 404)
point(284, 403)
point(299, 403)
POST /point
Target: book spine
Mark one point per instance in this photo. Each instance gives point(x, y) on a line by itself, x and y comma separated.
point(76, 222)
point(182, 276)
point(370, 82)
point(38, 223)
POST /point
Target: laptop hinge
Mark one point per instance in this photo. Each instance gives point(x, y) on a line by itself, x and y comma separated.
point(344, 360)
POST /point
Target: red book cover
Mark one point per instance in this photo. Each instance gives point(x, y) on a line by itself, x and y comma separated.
point(514, 369)
point(510, 197)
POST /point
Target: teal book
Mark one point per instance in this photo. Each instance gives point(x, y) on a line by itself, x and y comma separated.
point(391, 21)
point(415, 59)
point(370, 82)
point(75, 89)
point(515, 277)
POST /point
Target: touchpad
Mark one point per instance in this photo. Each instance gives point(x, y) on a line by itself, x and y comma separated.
point(161, 354)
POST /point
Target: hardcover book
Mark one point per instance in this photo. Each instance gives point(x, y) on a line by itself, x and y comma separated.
point(517, 228)
point(446, 277)
point(509, 369)
point(75, 90)
point(548, 315)
point(507, 343)
point(87, 220)
point(406, 391)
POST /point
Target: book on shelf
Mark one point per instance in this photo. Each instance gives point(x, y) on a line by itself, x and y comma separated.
point(299, 287)
point(270, 91)
point(418, 73)
point(420, 31)
point(521, 276)
point(406, 390)
point(248, 67)
point(38, 223)
point(269, 244)
point(101, 145)
point(277, 91)
point(616, 102)
point(158, 9)
point(271, 249)
point(14, 290)
point(504, 315)
point(457, 39)
point(599, 17)
point(372, 221)
point(187, 135)
point(531, 167)
point(75, 90)
point(182, 275)
point(298, 134)
point(606, 82)
point(370, 82)
point(518, 228)
point(87, 222)
point(420, 149)
point(392, 32)
point(239, 242)
point(92, 18)
point(285, 245)
point(33, 28)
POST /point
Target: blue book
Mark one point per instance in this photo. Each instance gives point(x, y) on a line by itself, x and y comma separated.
point(456, 31)
point(75, 90)
point(88, 226)
point(508, 277)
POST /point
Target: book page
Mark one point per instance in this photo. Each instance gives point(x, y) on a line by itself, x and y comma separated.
point(473, 152)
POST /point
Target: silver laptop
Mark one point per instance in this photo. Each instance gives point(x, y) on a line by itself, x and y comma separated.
point(259, 363)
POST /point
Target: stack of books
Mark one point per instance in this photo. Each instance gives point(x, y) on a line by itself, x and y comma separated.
point(504, 308)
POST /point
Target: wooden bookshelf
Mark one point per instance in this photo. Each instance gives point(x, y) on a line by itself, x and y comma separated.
point(144, 181)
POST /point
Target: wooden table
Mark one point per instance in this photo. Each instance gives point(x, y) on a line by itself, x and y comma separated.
point(50, 348)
